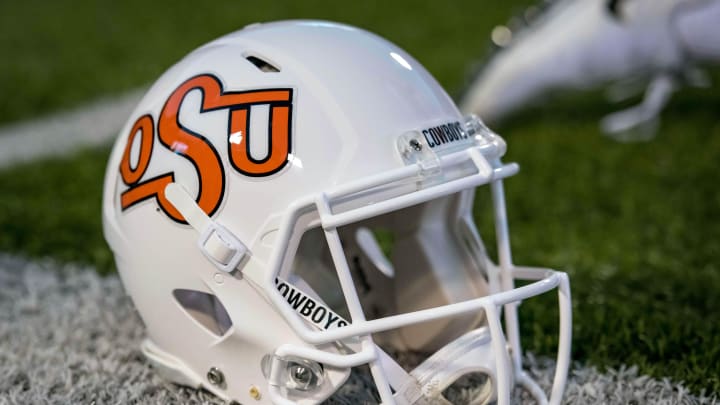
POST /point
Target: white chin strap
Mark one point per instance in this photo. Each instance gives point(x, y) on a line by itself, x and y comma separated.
point(470, 353)
point(224, 250)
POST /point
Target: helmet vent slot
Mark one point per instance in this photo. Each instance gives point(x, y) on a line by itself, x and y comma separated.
point(204, 308)
point(262, 64)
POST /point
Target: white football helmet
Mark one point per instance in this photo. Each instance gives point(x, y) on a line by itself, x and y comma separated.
point(290, 198)
point(630, 45)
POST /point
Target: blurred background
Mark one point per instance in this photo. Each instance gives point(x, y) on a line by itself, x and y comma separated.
point(637, 225)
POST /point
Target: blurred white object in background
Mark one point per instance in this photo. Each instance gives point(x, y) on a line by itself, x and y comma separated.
point(630, 45)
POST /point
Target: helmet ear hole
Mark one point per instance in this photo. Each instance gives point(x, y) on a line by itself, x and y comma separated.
point(205, 309)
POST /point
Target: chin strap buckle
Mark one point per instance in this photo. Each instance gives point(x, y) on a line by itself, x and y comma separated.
point(221, 247)
point(224, 250)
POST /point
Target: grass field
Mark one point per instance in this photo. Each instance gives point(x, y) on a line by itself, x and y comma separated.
point(636, 225)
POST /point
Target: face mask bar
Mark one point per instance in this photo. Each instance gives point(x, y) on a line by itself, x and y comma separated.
point(508, 352)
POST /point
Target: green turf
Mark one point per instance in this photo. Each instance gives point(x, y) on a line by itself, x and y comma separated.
point(58, 54)
point(52, 209)
point(636, 225)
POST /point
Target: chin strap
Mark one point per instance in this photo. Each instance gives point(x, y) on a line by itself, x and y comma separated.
point(470, 353)
point(224, 250)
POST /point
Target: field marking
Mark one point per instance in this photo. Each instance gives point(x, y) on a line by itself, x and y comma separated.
point(61, 133)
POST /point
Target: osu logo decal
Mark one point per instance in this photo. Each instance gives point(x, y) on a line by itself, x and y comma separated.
point(199, 150)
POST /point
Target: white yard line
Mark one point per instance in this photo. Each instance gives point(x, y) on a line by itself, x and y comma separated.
point(61, 133)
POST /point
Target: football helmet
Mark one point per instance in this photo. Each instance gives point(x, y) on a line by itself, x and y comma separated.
point(291, 200)
point(630, 46)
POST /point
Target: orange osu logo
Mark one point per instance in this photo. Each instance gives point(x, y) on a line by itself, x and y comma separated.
point(197, 149)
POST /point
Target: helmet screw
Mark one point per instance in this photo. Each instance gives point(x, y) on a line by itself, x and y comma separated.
point(301, 374)
point(415, 145)
point(215, 376)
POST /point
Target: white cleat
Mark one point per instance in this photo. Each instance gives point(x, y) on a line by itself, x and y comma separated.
point(585, 44)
